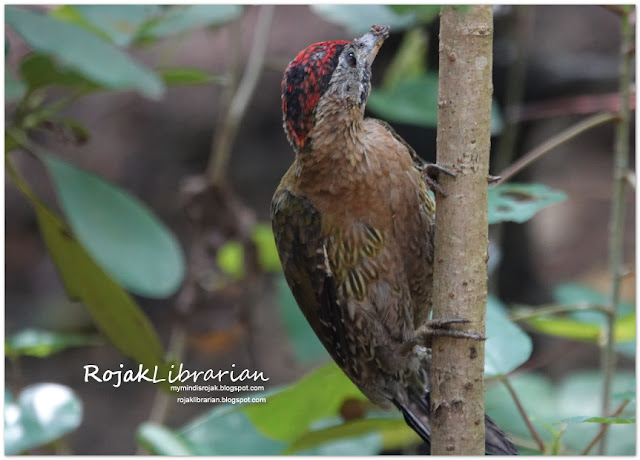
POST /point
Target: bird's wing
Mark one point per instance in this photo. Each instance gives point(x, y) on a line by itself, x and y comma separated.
point(297, 228)
point(417, 160)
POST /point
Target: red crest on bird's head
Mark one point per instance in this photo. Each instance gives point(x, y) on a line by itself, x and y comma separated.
point(305, 80)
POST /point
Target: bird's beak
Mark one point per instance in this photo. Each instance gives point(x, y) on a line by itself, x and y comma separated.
point(369, 44)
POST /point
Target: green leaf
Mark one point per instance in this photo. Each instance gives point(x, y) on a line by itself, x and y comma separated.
point(565, 327)
point(159, 440)
point(268, 258)
point(180, 18)
point(583, 419)
point(42, 413)
point(424, 13)
point(353, 429)
point(230, 259)
point(120, 232)
point(580, 394)
point(113, 310)
point(536, 393)
point(41, 343)
point(520, 202)
point(226, 430)
point(292, 412)
point(121, 23)
point(39, 70)
point(71, 14)
point(624, 328)
point(414, 101)
point(507, 346)
point(571, 294)
point(84, 52)
point(357, 19)
point(183, 76)
point(306, 346)
point(14, 88)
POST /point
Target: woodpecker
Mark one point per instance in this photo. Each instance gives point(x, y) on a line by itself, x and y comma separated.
point(354, 222)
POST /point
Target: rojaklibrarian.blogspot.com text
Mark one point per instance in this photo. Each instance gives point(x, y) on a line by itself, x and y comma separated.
point(171, 375)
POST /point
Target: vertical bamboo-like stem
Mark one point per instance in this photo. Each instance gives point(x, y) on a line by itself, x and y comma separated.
point(616, 225)
point(461, 239)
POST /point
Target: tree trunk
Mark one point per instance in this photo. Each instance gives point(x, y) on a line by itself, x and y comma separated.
point(461, 238)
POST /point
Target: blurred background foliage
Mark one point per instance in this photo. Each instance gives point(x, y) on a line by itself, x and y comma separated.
point(147, 143)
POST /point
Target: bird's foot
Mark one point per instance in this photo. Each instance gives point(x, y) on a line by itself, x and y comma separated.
point(493, 179)
point(431, 173)
point(442, 328)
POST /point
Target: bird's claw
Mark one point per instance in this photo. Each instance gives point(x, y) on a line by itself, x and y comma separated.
point(442, 328)
point(431, 173)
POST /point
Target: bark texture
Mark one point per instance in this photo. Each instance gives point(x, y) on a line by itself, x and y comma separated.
point(461, 239)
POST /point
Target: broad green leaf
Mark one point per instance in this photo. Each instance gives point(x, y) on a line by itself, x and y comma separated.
point(119, 231)
point(600, 419)
point(580, 394)
point(625, 328)
point(120, 23)
point(71, 14)
point(42, 413)
point(180, 18)
point(230, 258)
point(395, 429)
point(41, 343)
point(536, 393)
point(84, 52)
point(357, 19)
point(159, 440)
point(226, 430)
point(507, 346)
point(414, 101)
point(183, 76)
point(424, 13)
point(14, 88)
point(571, 294)
point(262, 236)
point(40, 70)
point(306, 347)
point(565, 327)
point(114, 311)
point(520, 202)
point(290, 413)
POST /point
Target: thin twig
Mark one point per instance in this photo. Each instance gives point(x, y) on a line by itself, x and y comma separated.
point(616, 225)
point(523, 412)
point(520, 33)
point(604, 427)
point(555, 310)
point(554, 142)
point(224, 139)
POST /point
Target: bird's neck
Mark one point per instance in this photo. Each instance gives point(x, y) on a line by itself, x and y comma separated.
point(336, 140)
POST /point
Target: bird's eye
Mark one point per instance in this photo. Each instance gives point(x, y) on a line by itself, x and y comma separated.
point(351, 59)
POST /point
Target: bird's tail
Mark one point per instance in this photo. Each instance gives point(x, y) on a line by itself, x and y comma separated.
point(416, 414)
